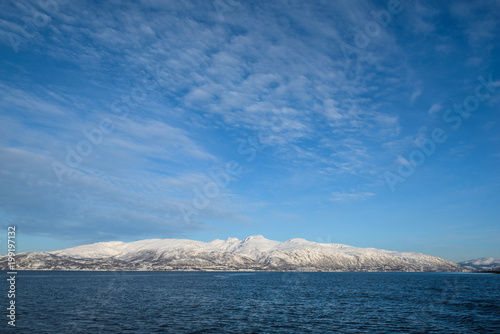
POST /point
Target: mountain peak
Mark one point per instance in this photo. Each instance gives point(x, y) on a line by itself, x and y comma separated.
point(229, 239)
point(255, 237)
point(298, 240)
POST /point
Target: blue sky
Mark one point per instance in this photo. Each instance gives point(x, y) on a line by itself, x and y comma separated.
point(369, 123)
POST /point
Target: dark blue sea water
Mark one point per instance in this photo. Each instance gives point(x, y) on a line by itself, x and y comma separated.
point(214, 302)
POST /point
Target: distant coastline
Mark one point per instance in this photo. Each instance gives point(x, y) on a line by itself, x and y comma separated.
point(486, 272)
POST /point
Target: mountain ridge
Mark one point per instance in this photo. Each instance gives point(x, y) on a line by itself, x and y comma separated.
point(483, 263)
point(232, 254)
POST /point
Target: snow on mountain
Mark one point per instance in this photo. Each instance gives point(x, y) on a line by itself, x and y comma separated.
point(251, 253)
point(98, 250)
point(483, 263)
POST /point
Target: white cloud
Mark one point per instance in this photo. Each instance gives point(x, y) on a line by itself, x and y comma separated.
point(415, 95)
point(435, 108)
point(349, 197)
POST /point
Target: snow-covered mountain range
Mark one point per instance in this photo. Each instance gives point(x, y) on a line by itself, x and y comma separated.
point(252, 253)
point(484, 263)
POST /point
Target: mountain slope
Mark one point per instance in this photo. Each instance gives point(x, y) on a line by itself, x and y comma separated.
point(252, 253)
point(484, 263)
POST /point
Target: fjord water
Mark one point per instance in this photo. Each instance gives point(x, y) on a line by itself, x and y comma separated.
point(255, 302)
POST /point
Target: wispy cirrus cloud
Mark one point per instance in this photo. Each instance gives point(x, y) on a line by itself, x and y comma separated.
point(343, 197)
